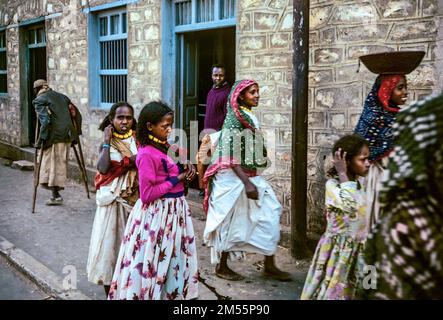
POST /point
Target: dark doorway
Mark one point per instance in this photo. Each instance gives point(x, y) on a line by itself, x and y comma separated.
point(197, 52)
point(36, 58)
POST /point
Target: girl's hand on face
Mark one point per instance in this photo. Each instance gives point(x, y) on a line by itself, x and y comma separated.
point(339, 162)
point(108, 133)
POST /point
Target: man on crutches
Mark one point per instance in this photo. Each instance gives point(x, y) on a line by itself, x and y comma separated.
point(58, 132)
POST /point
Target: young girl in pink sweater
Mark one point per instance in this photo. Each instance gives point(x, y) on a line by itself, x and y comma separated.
point(158, 257)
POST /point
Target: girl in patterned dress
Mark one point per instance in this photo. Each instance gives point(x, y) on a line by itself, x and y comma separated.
point(338, 263)
point(158, 257)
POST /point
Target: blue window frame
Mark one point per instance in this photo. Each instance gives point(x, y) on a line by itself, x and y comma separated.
point(3, 69)
point(109, 43)
point(203, 14)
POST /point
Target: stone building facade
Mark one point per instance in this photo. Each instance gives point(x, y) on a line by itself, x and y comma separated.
point(340, 31)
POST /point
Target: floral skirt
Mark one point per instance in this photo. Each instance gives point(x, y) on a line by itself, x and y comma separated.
point(158, 257)
point(336, 269)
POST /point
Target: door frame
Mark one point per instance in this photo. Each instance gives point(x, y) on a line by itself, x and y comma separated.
point(25, 85)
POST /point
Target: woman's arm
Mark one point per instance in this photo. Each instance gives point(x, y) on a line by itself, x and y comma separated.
point(250, 188)
point(104, 159)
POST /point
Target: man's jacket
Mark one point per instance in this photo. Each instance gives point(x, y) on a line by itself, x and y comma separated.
point(54, 114)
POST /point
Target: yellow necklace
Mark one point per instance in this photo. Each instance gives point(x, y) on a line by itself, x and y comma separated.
point(156, 139)
point(245, 109)
point(122, 136)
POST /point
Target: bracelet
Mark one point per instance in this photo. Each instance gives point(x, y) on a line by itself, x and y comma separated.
point(105, 145)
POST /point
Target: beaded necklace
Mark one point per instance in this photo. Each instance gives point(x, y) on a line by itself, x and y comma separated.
point(151, 137)
point(122, 136)
point(245, 109)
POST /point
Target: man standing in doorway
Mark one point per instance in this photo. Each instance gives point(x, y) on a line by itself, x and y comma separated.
point(57, 133)
point(214, 116)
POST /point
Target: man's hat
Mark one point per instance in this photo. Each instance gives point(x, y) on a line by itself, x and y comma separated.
point(39, 83)
point(397, 62)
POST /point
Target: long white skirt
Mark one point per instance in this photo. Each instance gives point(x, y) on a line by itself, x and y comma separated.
point(239, 225)
point(158, 255)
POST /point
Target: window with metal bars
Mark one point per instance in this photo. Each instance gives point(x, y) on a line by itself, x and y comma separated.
point(199, 11)
point(3, 71)
point(113, 69)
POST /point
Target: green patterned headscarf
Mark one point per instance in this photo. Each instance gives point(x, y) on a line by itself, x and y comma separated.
point(240, 142)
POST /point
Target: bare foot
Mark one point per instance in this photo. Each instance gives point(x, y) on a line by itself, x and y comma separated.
point(226, 273)
point(276, 274)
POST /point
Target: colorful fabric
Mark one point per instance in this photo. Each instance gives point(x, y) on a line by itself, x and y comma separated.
point(158, 255)
point(387, 86)
point(376, 121)
point(406, 245)
point(158, 175)
point(337, 266)
point(240, 142)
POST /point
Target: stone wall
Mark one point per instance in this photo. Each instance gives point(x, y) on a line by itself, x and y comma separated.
point(341, 31)
point(264, 53)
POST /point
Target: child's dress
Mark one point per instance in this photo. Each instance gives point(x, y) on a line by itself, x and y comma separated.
point(158, 256)
point(338, 262)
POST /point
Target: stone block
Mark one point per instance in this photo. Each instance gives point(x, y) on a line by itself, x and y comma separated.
point(276, 76)
point(245, 62)
point(325, 139)
point(319, 16)
point(285, 136)
point(342, 97)
point(277, 119)
point(151, 32)
point(280, 41)
point(337, 120)
point(265, 20)
point(287, 23)
point(252, 43)
point(356, 51)
point(328, 36)
point(284, 97)
point(274, 60)
point(349, 73)
point(314, 38)
point(278, 4)
point(245, 23)
point(327, 56)
point(424, 75)
point(354, 13)
point(317, 77)
point(397, 8)
point(250, 4)
point(367, 32)
point(429, 8)
point(23, 165)
point(414, 30)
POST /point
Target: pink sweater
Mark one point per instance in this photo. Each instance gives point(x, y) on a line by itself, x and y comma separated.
point(157, 175)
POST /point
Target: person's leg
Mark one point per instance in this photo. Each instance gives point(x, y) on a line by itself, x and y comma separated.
point(223, 271)
point(55, 192)
point(272, 271)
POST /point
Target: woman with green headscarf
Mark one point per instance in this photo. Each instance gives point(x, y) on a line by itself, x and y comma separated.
point(243, 213)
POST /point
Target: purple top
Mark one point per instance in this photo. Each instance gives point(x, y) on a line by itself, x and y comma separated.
point(216, 107)
point(157, 175)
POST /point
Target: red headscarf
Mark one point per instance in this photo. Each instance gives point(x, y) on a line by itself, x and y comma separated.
point(388, 84)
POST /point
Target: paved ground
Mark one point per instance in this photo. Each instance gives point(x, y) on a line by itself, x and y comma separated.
point(16, 287)
point(58, 237)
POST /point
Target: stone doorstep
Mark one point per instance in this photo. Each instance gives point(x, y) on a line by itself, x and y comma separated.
point(37, 272)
